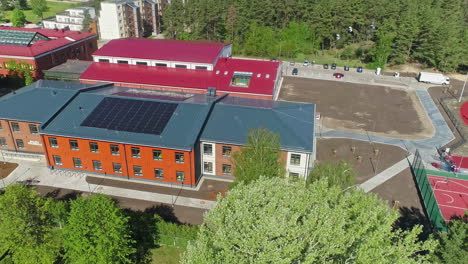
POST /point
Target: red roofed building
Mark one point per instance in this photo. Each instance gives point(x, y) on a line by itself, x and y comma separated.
point(43, 49)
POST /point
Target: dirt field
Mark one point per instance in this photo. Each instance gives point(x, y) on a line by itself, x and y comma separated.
point(370, 163)
point(357, 107)
point(6, 169)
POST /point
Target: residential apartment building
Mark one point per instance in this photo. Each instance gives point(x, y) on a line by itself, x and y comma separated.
point(71, 18)
point(128, 18)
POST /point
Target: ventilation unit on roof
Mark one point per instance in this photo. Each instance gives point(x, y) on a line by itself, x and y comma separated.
point(211, 91)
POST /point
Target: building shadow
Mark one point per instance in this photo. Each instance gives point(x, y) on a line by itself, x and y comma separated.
point(411, 217)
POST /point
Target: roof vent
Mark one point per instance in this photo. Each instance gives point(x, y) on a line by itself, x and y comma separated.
point(54, 92)
point(259, 75)
point(80, 108)
point(217, 72)
point(268, 76)
point(226, 72)
point(211, 92)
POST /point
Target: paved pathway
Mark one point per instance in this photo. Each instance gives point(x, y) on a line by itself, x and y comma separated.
point(386, 174)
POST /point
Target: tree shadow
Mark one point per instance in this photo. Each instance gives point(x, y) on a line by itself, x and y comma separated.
point(144, 233)
point(410, 217)
point(166, 212)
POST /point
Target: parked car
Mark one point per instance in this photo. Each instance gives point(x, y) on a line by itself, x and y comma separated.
point(292, 63)
point(273, 59)
point(306, 63)
point(359, 69)
point(27, 22)
point(325, 66)
point(295, 71)
point(346, 68)
point(333, 67)
point(338, 75)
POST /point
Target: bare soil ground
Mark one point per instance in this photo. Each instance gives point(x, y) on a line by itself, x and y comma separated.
point(354, 107)
point(6, 168)
point(369, 165)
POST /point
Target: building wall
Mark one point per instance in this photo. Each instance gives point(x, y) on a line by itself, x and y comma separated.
point(32, 142)
point(110, 25)
point(170, 64)
point(125, 158)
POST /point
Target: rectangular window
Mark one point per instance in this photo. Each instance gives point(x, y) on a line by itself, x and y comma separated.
point(117, 167)
point(57, 160)
point(77, 163)
point(3, 142)
point(74, 145)
point(295, 159)
point(97, 166)
point(20, 143)
point(137, 170)
point(294, 175)
point(180, 176)
point(53, 142)
point(136, 152)
point(227, 151)
point(208, 149)
point(179, 157)
point(208, 167)
point(241, 79)
point(157, 154)
point(15, 127)
point(227, 169)
point(33, 129)
point(181, 66)
point(161, 64)
point(94, 147)
point(103, 60)
point(159, 173)
point(201, 68)
point(142, 63)
point(115, 151)
point(122, 62)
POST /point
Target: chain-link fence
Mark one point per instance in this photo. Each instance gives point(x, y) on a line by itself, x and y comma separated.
point(174, 241)
point(459, 125)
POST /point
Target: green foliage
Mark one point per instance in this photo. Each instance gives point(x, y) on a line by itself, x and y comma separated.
point(172, 234)
point(86, 20)
point(339, 174)
point(21, 69)
point(18, 18)
point(39, 7)
point(259, 158)
point(453, 246)
point(26, 226)
point(275, 221)
point(97, 232)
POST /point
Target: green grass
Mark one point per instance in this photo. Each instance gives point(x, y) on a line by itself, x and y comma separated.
point(167, 255)
point(54, 8)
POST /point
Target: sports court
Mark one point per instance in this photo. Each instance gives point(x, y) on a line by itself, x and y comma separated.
point(451, 195)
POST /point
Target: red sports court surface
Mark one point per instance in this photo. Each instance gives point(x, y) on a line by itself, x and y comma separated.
point(451, 195)
point(460, 162)
point(464, 112)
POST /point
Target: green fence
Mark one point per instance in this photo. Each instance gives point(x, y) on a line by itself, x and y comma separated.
point(173, 241)
point(424, 186)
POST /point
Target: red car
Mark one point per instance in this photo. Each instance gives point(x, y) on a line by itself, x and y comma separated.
point(338, 75)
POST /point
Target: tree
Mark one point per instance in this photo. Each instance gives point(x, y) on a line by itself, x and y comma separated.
point(97, 232)
point(339, 174)
point(453, 246)
point(276, 221)
point(259, 158)
point(26, 226)
point(39, 7)
point(18, 18)
point(86, 20)
point(22, 69)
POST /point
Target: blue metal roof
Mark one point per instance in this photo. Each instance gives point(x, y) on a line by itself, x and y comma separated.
point(232, 118)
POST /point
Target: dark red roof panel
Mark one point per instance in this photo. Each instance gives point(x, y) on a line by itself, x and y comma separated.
point(162, 49)
point(264, 74)
point(58, 40)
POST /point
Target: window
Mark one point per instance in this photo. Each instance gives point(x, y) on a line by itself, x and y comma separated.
point(117, 167)
point(227, 151)
point(33, 129)
point(227, 169)
point(294, 175)
point(15, 127)
point(97, 166)
point(57, 160)
point(20, 143)
point(181, 66)
point(201, 68)
point(137, 170)
point(241, 79)
point(94, 147)
point(122, 61)
point(3, 142)
point(103, 60)
point(208, 167)
point(161, 64)
point(159, 173)
point(142, 63)
point(179, 157)
point(115, 150)
point(208, 149)
point(295, 159)
point(77, 163)
point(1, 128)
point(136, 152)
point(74, 145)
point(180, 176)
point(53, 142)
point(157, 154)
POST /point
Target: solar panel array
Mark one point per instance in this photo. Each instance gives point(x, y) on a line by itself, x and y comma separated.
point(130, 115)
point(19, 38)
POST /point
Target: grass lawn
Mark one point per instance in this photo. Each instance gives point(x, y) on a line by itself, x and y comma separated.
point(54, 8)
point(167, 255)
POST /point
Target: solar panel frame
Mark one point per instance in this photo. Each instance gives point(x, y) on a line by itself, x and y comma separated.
point(137, 116)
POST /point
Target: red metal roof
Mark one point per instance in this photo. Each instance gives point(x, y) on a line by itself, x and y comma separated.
point(58, 40)
point(220, 77)
point(162, 49)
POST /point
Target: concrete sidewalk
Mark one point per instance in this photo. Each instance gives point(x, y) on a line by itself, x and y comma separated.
point(386, 175)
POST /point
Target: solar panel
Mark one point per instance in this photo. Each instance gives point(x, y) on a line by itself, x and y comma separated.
point(20, 38)
point(130, 115)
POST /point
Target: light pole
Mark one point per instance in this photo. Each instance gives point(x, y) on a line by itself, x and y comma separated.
point(463, 89)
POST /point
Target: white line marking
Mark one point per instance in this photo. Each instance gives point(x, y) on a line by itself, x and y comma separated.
point(451, 198)
point(453, 207)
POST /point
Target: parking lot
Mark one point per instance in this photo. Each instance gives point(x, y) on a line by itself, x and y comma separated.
point(385, 111)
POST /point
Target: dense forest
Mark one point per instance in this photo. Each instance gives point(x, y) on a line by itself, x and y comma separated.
point(375, 32)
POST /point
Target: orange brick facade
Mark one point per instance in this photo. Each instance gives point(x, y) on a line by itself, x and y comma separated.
point(107, 160)
point(20, 136)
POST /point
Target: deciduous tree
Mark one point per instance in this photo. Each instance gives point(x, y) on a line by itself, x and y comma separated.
point(39, 7)
point(453, 246)
point(339, 174)
point(18, 18)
